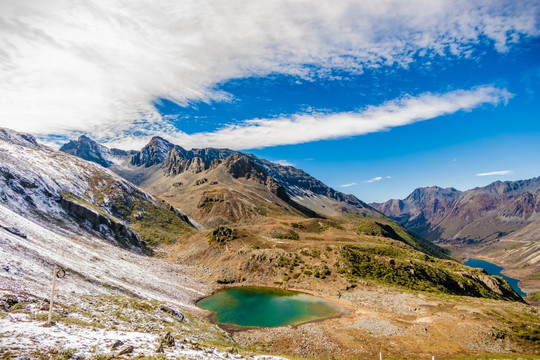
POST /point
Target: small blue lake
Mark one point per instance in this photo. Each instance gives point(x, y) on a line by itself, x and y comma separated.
point(493, 269)
point(266, 307)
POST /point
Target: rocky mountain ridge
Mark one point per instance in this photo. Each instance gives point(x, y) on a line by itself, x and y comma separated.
point(481, 214)
point(303, 191)
point(88, 149)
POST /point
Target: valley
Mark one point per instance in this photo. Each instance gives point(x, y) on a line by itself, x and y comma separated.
point(143, 235)
point(497, 223)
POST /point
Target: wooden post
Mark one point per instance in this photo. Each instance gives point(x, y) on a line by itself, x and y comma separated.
point(433, 357)
point(51, 301)
point(380, 356)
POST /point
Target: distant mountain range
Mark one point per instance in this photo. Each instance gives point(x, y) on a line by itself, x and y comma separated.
point(482, 214)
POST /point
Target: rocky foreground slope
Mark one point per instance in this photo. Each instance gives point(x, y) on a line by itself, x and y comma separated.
point(57, 209)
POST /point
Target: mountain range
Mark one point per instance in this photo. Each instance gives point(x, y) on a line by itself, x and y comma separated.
point(481, 214)
point(194, 180)
point(169, 225)
point(224, 188)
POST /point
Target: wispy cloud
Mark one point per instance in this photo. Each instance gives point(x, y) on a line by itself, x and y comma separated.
point(378, 178)
point(347, 185)
point(501, 172)
point(303, 128)
point(283, 162)
point(96, 67)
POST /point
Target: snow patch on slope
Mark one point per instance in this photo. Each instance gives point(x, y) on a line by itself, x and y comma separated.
point(93, 265)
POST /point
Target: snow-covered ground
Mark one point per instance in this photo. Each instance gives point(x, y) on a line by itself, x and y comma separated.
point(93, 265)
point(19, 334)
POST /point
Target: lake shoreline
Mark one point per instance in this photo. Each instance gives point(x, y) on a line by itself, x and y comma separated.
point(494, 269)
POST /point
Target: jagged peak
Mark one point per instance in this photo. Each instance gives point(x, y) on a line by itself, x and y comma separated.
point(157, 140)
point(90, 150)
point(86, 138)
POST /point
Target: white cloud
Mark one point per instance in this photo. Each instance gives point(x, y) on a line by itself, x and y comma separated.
point(283, 162)
point(347, 185)
point(501, 172)
point(96, 67)
point(378, 178)
point(388, 177)
point(303, 128)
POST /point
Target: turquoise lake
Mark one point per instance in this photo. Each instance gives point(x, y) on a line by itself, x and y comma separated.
point(493, 269)
point(266, 307)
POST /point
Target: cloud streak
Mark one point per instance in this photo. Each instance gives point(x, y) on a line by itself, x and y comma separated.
point(302, 128)
point(97, 67)
point(283, 162)
point(348, 185)
point(492, 173)
point(375, 179)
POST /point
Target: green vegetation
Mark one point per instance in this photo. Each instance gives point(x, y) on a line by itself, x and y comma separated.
point(158, 224)
point(525, 325)
point(222, 235)
point(529, 332)
point(535, 276)
point(414, 271)
point(534, 296)
point(155, 223)
point(323, 273)
point(289, 261)
point(285, 235)
point(389, 229)
point(313, 253)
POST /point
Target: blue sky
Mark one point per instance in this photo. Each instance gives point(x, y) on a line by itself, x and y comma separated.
point(373, 98)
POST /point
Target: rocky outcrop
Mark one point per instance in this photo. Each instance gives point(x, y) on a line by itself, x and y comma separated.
point(498, 285)
point(195, 160)
point(106, 225)
point(240, 166)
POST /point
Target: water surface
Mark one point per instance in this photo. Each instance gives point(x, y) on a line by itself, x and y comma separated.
point(266, 307)
point(493, 269)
